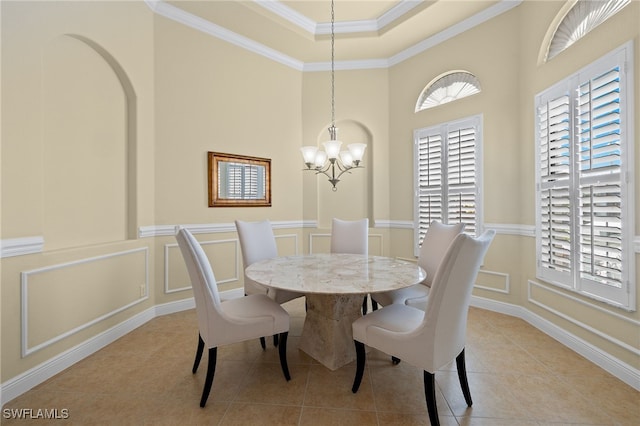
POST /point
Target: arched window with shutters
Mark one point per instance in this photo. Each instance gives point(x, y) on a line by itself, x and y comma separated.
point(446, 88)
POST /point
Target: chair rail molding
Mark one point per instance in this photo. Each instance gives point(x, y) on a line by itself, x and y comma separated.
point(21, 246)
point(214, 228)
point(33, 245)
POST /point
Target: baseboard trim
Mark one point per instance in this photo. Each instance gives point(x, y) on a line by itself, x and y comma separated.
point(614, 366)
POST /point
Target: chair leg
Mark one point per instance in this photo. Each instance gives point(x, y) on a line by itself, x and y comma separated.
point(282, 351)
point(430, 394)
point(199, 351)
point(462, 375)
point(361, 358)
point(374, 305)
point(395, 360)
point(275, 340)
point(211, 370)
point(364, 305)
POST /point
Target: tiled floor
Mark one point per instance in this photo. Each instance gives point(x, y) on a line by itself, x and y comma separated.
point(518, 376)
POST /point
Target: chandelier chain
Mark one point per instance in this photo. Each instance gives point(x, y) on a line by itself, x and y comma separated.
point(333, 81)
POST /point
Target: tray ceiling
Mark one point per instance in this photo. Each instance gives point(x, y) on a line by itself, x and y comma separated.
point(366, 30)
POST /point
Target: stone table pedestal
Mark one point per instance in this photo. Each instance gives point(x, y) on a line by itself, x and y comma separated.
point(327, 335)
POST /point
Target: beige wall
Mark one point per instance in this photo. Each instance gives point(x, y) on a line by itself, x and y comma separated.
point(361, 106)
point(184, 93)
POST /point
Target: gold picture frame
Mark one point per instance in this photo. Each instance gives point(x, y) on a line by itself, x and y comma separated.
point(238, 180)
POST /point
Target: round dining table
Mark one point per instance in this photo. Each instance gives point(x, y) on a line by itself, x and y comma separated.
point(334, 286)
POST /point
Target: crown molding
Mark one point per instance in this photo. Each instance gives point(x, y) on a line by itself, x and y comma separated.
point(342, 27)
point(365, 64)
point(289, 14)
point(176, 14)
point(197, 23)
point(454, 30)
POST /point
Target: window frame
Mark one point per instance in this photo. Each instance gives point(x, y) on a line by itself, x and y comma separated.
point(623, 297)
point(443, 130)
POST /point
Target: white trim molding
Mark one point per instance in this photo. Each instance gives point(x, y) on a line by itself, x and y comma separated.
point(21, 246)
point(24, 284)
point(623, 371)
point(174, 13)
point(197, 23)
point(22, 383)
point(26, 381)
point(512, 229)
point(393, 224)
point(215, 228)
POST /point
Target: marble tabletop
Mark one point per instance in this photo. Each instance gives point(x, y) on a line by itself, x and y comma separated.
point(336, 273)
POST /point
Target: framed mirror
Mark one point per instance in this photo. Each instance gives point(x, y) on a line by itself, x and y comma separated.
point(238, 180)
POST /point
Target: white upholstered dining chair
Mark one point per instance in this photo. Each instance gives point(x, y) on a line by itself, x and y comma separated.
point(351, 236)
point(257, 243)
point(434, 247)
point(432, 338)
point(232, 321)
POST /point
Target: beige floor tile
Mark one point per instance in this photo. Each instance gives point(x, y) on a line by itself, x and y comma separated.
point(518, 377)
point(312, 416)
point(242, 414)
point(265, 384)
point(327, 388)
point(491, 395)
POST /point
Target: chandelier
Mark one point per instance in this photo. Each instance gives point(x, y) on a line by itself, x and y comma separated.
point(332, 162)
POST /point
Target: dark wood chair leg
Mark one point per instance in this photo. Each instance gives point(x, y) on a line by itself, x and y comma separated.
point(462, 375)
point(211, 370)
point(361, 358)
point(282, 351)
point(199, 352)
point(395, 360)
point(275, 340)
point(430, 395)
point(364, 305)
point(374, 304)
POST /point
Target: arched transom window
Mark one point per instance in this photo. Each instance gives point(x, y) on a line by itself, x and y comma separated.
point(579, 20)
point(448, 87)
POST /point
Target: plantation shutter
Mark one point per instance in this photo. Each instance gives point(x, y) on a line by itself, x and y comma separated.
point(430, 181)
point(447, 175)
point(554, 195)
point(600, 213)
point(461, 178)
point(585, 203)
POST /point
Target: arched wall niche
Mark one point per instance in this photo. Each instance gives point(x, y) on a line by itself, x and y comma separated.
point(353, 198)
point(89, 145)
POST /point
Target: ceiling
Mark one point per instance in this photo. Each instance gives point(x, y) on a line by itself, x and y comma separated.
point(372, 31)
